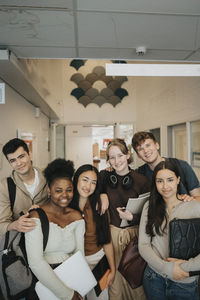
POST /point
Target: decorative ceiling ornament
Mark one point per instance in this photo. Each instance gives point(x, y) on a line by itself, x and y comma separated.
point(119, 61)
point(98, 88)
point(92, 93)
point(77, 63)
point(77, 78)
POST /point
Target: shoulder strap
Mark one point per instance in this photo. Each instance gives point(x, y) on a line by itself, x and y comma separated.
point(11, 191)
point(44, 224)
point(6, 240)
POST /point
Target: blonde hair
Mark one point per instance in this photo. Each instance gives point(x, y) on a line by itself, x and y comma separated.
point(120, 143)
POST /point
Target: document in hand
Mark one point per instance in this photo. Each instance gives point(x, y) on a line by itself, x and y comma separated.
point(75, 273)
point(135, 205)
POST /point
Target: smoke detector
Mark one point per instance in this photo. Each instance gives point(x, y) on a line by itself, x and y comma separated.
point(140, 51)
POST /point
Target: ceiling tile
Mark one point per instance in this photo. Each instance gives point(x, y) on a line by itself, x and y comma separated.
point(161, 6)
point(38, 3)
point(36, 28)
point(131, 31)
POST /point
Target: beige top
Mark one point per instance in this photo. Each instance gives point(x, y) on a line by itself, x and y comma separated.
point(156, 250)
point(23, 199)
point(62, 243)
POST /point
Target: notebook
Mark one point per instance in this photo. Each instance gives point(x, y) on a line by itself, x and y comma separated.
point(135, 205)
point(75, 273)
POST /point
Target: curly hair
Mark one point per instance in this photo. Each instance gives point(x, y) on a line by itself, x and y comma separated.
point(59, 168)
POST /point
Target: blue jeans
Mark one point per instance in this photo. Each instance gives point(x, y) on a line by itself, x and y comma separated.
point(157, 287)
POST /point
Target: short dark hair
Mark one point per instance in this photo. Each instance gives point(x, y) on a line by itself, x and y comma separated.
point(140, 136)
point(12, 145)
point(59, 168)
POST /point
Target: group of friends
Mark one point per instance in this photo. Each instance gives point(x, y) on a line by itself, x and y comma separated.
point(85, 209)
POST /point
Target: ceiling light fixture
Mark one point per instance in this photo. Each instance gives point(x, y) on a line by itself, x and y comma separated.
point(153, 69)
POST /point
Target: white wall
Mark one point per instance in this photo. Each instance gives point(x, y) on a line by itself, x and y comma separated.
point(79, 145)
point(15, 114)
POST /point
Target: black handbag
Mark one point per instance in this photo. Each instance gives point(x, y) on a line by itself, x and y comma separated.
point(132, 265)
point(184, 239)
point(101, 272)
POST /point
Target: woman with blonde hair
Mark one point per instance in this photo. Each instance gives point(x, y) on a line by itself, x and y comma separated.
point(121, 184)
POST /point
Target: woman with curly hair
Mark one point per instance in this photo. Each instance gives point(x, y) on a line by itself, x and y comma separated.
point(66, 230)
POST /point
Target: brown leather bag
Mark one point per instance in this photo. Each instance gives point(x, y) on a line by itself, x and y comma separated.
point(132, 265)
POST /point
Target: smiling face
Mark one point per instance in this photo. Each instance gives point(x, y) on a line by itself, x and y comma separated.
point(148, 151)
point(61, 192)
point(167, 183)
point(87, 182)
point(118, 160)
point(20, 161)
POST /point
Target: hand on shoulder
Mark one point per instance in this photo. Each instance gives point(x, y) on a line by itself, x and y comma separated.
point(33, 214)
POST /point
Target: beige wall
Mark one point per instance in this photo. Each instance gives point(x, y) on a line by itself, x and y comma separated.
point(165, 101)
point(46, 77)
point(15, 114)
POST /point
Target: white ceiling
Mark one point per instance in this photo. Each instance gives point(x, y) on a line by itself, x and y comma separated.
point(105, 29)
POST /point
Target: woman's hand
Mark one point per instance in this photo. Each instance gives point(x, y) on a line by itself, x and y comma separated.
point(109, 169)
point(104, 203)
point(125, 213)
point(111, 278)
point(77, 296)
point(178, 272)
point(186, 197)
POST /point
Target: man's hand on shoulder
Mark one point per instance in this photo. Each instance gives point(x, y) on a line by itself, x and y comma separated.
point(23, 224)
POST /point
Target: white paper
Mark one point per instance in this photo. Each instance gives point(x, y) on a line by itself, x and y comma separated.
point(75, 273)
point(135, 206)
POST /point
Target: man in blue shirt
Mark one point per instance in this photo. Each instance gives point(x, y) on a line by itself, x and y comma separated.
point(147, 148)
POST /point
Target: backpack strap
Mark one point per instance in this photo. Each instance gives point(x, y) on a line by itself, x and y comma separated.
point(44, 224)
point(11, 191)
